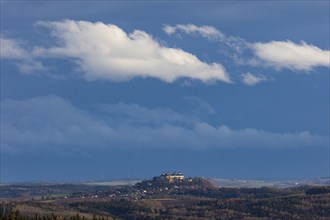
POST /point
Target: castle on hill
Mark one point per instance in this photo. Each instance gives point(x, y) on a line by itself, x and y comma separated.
point(171, 177)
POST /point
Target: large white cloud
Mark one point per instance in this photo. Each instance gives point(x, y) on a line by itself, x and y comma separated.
point(287, 54)
point(105, 51)
point(52, 124)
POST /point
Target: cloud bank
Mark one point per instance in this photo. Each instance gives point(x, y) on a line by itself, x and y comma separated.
point(105, 51)
point(53, 124)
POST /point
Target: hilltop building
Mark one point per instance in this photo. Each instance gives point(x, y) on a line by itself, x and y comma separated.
point(171, 177)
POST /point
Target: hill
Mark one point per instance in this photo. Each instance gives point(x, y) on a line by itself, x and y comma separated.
point(163, 197)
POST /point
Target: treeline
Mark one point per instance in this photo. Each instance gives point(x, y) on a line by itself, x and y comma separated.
point(223, 203)
point(248, 193)
point(283, 207)
point(123, 208)
point(8, 213)
point(35, 190)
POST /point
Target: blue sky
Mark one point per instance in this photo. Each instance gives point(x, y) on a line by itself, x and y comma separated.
point(105, 90)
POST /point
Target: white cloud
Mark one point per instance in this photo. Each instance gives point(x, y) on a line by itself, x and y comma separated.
point(235, 44)
point(251, 79)
point(105, 51)
point(205, 31)
point(287, 54)
point(13, 50)
point(275, 54)
point(31, 66)
point(53, 124)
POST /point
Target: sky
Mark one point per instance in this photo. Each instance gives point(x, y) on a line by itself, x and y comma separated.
point(97, 90)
